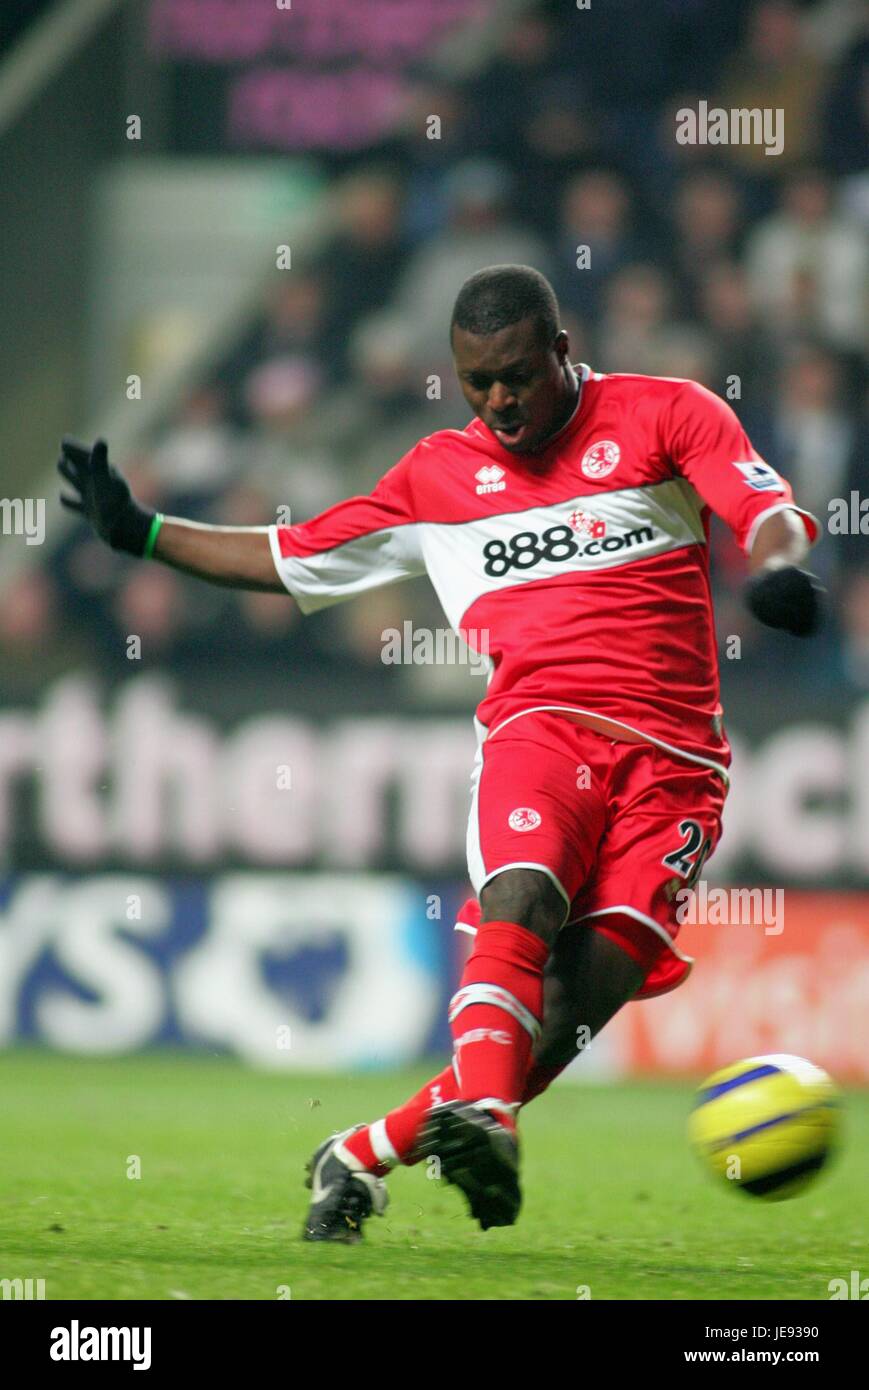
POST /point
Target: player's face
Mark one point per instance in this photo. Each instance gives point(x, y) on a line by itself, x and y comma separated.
point(519, 385)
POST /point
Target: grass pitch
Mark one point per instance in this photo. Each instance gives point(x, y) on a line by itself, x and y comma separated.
point(613, 1198)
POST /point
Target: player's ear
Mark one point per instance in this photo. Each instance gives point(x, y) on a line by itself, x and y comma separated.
point(562, 346)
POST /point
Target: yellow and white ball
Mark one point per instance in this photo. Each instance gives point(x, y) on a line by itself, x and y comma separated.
point(766, 1125)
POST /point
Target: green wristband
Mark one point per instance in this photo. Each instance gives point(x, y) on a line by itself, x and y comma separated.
point(152, 535)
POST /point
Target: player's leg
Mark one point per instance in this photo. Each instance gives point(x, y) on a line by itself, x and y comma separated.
point(496, 1016)
point(533, 832)
point(664, 816)
point(497, 1012)
point(588, 978)
point(500, 1005)
point(520, 898)
point(664, 820)
point(532, 838)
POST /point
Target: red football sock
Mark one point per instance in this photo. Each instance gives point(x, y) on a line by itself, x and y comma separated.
point(379, 1146)
point(495, 1015)
point(404, 1123)
point(400, 1129)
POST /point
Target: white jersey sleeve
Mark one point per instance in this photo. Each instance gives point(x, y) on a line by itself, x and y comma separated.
point(359, 544)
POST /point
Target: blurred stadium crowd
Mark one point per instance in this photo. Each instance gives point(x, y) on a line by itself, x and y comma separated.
point(744, 271)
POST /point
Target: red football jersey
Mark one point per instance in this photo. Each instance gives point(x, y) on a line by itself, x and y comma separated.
point(581, 571)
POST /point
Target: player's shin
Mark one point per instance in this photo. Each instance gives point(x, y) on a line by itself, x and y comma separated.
point(496, 1014)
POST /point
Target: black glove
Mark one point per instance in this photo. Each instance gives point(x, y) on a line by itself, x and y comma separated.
point(104, 496)
point(788, 598)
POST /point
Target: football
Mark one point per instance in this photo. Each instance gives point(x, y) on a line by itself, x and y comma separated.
point(766, 1125)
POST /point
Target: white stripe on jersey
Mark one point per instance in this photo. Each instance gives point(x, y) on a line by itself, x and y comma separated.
point(467, 559)
point(367, 562)
point(456, 555)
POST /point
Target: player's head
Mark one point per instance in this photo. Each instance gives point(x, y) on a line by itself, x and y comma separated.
point(511, 356)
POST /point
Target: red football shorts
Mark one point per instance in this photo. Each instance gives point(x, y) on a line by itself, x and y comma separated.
point(618, 827)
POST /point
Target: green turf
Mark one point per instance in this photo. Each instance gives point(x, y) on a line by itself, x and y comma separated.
point(613, 1199)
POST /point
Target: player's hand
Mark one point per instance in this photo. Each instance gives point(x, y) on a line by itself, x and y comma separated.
point(103, 496)
point(789, 598)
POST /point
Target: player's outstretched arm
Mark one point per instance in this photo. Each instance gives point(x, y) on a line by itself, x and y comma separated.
point(779, 592)
point(238, 557)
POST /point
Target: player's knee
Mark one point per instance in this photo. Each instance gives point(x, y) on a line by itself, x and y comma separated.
point(527, 897)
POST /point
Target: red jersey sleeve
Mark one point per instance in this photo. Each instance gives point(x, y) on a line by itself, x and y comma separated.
point(705, 442)
point(359, 544)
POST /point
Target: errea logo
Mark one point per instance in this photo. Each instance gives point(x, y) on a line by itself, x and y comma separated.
point(490, 478)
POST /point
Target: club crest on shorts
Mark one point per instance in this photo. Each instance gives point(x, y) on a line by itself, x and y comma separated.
point(601, 459)
point(524, 818)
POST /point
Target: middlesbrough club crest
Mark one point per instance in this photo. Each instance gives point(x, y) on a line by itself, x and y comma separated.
point(600, 459)
point(524, 818)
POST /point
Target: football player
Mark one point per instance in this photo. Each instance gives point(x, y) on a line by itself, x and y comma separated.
point(567, 526)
